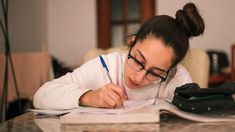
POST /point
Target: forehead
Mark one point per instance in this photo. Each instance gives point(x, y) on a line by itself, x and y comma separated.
point(155, 52)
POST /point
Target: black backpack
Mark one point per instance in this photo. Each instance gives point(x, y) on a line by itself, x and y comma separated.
point(190, 97)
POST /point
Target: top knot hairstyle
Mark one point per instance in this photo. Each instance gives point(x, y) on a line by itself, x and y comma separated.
point(190, 20)
point(174, 33)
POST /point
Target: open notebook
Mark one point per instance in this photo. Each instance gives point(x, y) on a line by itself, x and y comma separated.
point(129, 105)
point(145, 111)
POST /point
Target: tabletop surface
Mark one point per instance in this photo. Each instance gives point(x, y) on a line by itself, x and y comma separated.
point(37, 123)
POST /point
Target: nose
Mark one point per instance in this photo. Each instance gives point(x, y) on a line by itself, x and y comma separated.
point(140, 76)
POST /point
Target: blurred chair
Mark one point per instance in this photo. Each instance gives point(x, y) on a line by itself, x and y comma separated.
point(31, 70)
point(92, 53)
point(196, 62)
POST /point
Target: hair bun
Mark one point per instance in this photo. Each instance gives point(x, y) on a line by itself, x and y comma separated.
point(190, 20)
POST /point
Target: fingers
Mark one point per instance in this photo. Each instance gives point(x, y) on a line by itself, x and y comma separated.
point(114, 96)
point(108, 96)
point(116, 99)
point(110, 102)
point(118, 90)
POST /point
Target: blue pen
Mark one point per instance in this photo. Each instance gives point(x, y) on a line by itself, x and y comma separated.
point(107, 70)
point(105, 67)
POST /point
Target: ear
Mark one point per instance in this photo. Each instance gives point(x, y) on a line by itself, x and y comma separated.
point(131, 40)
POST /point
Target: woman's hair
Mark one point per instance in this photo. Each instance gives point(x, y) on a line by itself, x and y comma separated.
point(174, 33)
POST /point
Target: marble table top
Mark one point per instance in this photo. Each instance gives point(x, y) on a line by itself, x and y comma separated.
point(37, 123)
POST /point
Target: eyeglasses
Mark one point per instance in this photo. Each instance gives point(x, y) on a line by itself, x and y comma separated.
point(153, 76)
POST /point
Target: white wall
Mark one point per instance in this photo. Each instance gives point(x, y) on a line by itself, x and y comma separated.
point(219, 19)
point(72, 26)
point(27, 25)
point(71, 29)
point(68, 27)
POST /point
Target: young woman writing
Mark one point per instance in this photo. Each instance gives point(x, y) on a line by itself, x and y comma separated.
point(150, 69)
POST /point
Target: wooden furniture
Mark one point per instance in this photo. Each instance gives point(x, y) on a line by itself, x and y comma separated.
point(217, 79)
point(121, 16)
point(233, 62)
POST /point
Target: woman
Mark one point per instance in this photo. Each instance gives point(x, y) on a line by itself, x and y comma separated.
point(150, 69)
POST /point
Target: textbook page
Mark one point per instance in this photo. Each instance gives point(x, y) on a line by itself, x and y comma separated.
point(128, 105)
point(133, 112)
point(146, 114)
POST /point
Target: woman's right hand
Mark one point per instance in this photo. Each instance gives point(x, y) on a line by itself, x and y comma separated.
point(108, 96)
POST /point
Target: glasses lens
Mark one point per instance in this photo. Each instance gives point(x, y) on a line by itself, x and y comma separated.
point(155, 78)
point(132, 63)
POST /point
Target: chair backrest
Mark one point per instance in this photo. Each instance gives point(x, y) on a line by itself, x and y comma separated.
point(31, 69)
point(92, 53)
point(196, 62)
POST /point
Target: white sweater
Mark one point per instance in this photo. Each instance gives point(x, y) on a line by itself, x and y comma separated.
point(64, 92)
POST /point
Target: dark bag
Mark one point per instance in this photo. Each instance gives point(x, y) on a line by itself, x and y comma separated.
point(190, 97)
point(14, 110)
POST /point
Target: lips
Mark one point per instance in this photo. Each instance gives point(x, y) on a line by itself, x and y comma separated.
point(132, 83)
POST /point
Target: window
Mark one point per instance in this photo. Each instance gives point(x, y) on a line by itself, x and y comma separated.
point(119, 18)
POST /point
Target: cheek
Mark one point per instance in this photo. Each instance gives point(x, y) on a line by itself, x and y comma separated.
point(127, 71)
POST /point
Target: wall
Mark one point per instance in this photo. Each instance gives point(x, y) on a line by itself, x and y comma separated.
point(71, 29)
point(27, 25)
point(219, 19)
point(68, 27)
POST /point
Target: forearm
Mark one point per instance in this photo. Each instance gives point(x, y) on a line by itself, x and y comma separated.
point(58, 96)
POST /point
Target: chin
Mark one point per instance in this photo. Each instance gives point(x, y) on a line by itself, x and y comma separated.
point(132, 85)
point(128, 84)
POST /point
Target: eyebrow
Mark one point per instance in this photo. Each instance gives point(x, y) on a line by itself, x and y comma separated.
point(160, 69)
point(141, 55)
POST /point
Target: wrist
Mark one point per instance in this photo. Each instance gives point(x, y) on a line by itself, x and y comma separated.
point(84, 99)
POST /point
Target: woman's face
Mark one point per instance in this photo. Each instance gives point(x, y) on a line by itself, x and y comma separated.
point(153, 55)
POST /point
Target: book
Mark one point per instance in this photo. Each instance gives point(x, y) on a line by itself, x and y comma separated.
point(128, 106)
point(50, 112)
point(147, 111)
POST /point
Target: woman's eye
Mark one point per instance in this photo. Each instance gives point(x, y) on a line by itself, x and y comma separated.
point(159, 72)
point(154, 74)
point(139, 59)
point(137, 62)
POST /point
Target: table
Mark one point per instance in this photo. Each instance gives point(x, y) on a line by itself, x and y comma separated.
point(38, 123)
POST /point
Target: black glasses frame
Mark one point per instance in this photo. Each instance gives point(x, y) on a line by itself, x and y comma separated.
point(129, 56)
